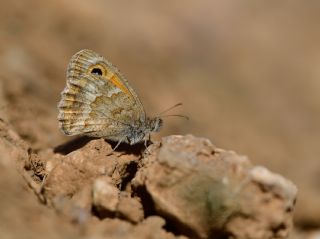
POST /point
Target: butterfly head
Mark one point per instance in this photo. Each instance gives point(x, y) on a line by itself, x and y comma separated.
point(155, 124)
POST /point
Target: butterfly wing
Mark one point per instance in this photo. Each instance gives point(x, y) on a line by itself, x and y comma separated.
point(97, 100)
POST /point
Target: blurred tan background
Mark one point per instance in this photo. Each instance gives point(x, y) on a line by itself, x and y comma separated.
point(247, 73)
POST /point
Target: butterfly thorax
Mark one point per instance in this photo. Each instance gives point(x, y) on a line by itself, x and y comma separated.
point(140, 130)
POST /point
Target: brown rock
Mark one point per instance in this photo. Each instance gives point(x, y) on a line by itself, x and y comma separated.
point(151, 228)
point(203, 190)
point(109, 202)
point(266, 204)
point(69, 173)
point(105, 195)
point(130, 209)
point(21, 214)
point(12, 147)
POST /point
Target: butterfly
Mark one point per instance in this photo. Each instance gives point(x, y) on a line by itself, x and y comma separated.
point(99, 102)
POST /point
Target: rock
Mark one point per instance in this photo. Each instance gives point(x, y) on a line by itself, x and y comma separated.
point(91, 177)
point(151, 228)
point(66, 174)
point(83, 198)
point(130, 209)
point(192, 187)
point(12, 147)
point(21, 213)
point(109, 202)
point(205, 191)
point(105, 195)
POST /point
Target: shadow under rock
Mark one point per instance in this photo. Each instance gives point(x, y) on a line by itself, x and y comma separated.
point(79, 142)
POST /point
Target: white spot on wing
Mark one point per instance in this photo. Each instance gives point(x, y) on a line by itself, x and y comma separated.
point(112, 91)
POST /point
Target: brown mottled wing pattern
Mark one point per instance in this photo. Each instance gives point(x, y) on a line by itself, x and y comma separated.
point(97, 100)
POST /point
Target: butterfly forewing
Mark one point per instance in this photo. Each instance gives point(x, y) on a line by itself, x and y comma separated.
point(97, 100)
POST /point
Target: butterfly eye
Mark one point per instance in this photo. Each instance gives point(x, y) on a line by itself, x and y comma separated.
point(96, 71)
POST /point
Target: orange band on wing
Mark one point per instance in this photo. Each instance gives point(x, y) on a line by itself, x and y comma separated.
point(116, 81)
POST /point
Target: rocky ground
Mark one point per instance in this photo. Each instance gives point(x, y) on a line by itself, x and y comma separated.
point(181, 187)
point(247, 74)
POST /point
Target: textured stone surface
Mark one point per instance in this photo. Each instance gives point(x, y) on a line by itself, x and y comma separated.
point(206, 190)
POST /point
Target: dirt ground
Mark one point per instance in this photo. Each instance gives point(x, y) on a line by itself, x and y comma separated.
point(246, 72)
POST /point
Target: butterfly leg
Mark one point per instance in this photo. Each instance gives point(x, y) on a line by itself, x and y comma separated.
point(146, 143)
point(119, 142)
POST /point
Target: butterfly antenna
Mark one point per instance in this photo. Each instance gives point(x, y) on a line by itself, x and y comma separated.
point(181, 116)
point(172, 107)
